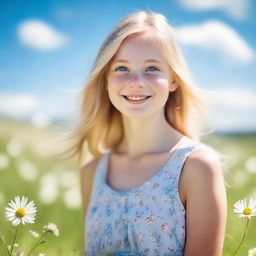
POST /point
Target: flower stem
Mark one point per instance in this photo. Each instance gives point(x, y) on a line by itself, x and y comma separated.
point(247, 223)
point(37, 243)
point(14, 240)
point(6, 247)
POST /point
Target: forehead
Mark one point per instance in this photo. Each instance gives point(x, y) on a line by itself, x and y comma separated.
point(139, 47)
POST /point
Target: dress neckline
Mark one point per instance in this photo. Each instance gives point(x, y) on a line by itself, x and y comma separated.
point(151, 179)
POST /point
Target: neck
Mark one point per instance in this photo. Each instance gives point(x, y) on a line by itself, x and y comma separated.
point(151, 134)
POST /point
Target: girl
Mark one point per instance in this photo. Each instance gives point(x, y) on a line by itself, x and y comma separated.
point(151, 188)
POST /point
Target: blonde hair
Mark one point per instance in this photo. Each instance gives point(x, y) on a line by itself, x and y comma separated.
point(101, 125)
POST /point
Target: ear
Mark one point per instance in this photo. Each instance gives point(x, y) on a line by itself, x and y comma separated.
point(173, 86)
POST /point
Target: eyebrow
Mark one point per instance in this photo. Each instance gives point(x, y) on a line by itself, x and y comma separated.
point(127, 61)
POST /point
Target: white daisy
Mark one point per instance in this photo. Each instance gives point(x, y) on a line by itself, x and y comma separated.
point(250, 164)
point(14, 147)
point(27, 170)
point(252, 252)
point(243, 210)
point(4, 161)
point(41, 254)
point(15, 245)
point(34, 233)
point(51, 227)
point(20, 211)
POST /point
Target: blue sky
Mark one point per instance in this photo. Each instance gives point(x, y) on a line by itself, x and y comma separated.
point(47, 49)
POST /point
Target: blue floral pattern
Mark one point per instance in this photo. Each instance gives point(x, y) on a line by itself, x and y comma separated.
point(146, 220)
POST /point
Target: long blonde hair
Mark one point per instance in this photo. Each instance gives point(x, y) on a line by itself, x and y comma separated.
point(101, 125)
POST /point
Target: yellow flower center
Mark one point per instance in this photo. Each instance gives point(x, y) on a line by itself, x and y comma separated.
point(254, 254)
point(20, 212)
point(247, 211)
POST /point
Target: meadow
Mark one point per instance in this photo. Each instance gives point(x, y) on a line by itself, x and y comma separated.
point(29, 167)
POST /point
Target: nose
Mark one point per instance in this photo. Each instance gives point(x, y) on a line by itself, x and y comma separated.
point(137, 80)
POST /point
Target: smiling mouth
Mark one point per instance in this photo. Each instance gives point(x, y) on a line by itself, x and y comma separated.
point(136, 99)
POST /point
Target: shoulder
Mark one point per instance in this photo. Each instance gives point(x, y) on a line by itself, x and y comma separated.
point(203, 159)
point(88, 167)
point(204, 188)
point(203, 166)
point(87, 171)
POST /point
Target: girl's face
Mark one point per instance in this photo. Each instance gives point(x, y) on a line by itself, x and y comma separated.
point(139, 70)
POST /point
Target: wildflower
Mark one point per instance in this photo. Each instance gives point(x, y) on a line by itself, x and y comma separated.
point(20, 211)
point(250, 165)
point(33, 233)
point(15, 245)
point(4, 161)
point(252, 252)
point(48, 188)
point(51, 227)
point(41, 254)
point(14, 147)
point(244, 210)
point(27, 170)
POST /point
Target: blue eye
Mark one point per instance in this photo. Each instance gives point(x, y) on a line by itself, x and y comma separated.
point(119, 68)
point(123, 68)
point(154, 68)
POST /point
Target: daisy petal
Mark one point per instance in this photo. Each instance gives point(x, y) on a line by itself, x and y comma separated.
point(29, 211)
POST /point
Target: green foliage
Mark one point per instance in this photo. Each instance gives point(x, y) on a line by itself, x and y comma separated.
point(38, 147)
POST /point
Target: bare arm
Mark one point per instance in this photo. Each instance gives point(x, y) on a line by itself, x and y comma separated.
point(206, 204)
point(86, 181)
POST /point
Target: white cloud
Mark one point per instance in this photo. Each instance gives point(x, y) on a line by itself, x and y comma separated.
point(218, 36)
point(233, 109)
point(18, 105)
point(235, 8)
point(235, 99)
point(40, 111)
point(40, 35)
point(228, 121)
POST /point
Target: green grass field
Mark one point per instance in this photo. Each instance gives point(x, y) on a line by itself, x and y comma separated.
point(32, 170)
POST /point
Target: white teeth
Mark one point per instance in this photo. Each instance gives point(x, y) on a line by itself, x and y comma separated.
point(136, 98)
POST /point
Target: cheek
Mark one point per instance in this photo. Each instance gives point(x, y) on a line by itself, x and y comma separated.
point(160, 85)
point(114, 87)
point(115, 82)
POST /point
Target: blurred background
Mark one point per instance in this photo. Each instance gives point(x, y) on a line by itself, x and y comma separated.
point(46, 51)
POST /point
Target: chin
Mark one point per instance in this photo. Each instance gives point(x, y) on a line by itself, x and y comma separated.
point(134, 115)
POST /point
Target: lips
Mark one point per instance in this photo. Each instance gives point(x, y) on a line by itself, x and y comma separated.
point(147, 96)
point(139, 101)
point(133, 95)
